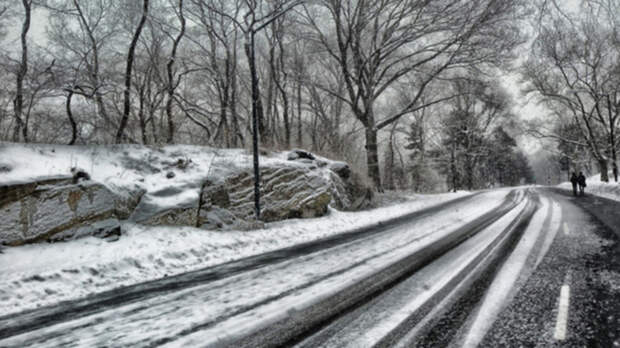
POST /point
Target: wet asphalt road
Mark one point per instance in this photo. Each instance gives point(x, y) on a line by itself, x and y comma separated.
point(30, 320)
point(583, 261)
point(584, 257)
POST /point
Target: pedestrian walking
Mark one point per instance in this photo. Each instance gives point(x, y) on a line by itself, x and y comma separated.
point(573, 180)
point(581, 180)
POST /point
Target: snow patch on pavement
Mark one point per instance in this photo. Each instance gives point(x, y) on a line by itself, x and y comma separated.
point(552, 231)
point(245, 302)
point(252, 321)
point(429, 280)
point(508, 280)
point(42, 274)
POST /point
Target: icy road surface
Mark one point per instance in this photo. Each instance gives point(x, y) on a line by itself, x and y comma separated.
point(44, 274)
point(526, 267)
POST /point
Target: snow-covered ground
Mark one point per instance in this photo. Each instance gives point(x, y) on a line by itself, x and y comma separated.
point(236, 305)
point(126, 167)
point(41, 274)
point(597, 187)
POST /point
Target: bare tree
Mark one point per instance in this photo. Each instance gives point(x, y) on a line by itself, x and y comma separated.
point(149, 83)
point(18, 102)
point(280, 75)
point(575, 71)
point(172, 80)
point(79, 33)
point(217, 44)
point(258, 16)
point(128, 70)
point(378, 43)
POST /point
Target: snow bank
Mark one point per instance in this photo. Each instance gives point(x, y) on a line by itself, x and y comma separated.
point(595, 186)
point(42, 274)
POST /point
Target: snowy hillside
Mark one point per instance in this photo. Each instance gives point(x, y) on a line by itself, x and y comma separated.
point(125, 166)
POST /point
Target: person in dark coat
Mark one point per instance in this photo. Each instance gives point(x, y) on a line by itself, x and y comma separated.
point(573, 180)
point(581, 180)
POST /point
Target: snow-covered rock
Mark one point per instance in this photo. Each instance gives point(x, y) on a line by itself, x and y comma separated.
point(300, 154)
point(53, 207)
point(210, 189)
point(286, 192)
point(341, 168)
point(127, 199)
point(169, 206)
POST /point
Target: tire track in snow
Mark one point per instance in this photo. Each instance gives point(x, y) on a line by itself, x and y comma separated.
point(18, 323)
point(552, 231)
point(512, 275)
point(69, 325)
point(382, 321)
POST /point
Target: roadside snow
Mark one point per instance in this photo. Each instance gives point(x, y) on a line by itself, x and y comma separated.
point(247, 301)
point(42, 274)
point(595, 186)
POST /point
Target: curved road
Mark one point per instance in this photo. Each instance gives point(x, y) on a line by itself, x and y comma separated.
point(532, 267)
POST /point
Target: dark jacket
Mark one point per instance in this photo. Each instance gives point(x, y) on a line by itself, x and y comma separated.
point(581, 180)
point(574, 179)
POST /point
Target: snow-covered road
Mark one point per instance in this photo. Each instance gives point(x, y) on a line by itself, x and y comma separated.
point(443, 277)
point(229, 308)
point(44, 274)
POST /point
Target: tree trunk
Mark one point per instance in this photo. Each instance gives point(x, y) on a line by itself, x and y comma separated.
point(18, 102)
point(612, 139)
point(287, 122)
point(300, 142)
point(602, 166)
point(372, 157)
point(314, 133)
point(266, 124)
point(71, 119)
point(389, 165)
point(130, 57)
point(257, 111)
point(238, 134)
point(141, 116)
point(221, 136)
point(469, 172)
point(170, 71)
point(455, 181)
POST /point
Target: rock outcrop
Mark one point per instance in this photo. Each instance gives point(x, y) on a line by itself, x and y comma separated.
point(54, 208)
point(58, 208)
point(286, 192)
point(303, 189)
